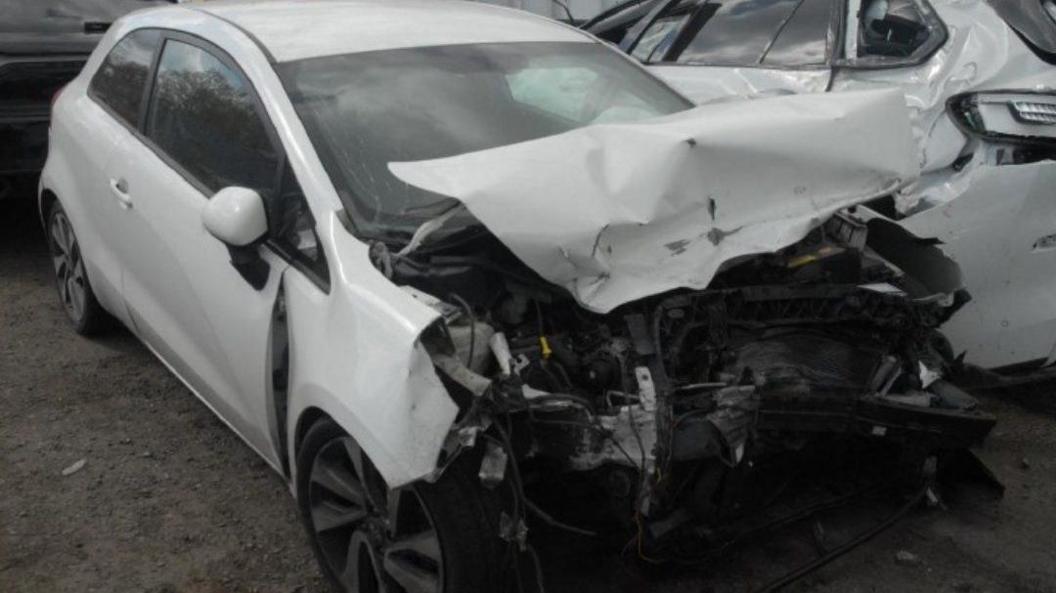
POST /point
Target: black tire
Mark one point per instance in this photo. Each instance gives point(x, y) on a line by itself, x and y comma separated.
point(456, 507)
point(71, 276)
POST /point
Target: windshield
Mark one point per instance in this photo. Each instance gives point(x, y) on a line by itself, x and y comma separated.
point(363, 111)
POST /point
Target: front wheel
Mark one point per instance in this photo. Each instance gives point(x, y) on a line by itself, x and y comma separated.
point(422, 538)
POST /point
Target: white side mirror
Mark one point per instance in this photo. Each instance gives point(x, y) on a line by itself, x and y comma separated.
point(235, 216)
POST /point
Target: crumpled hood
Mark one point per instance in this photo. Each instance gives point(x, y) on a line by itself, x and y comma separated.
point(618, 212)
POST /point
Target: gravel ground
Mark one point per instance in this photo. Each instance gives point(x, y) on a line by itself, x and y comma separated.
point(169, 500)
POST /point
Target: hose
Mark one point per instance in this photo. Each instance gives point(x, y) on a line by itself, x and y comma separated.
point(795, 575)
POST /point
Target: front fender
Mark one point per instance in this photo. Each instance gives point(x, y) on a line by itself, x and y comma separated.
point(355, 354)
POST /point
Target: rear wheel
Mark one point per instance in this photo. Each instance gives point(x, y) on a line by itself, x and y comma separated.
point(71, 279)
point(422, 538)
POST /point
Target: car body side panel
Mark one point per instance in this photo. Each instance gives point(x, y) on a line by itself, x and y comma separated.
point(354, 350)
point(990, 215)
point(1002, 228)
point(81, 144)
point(355, 354)
point(981, 53)
point(185, 298)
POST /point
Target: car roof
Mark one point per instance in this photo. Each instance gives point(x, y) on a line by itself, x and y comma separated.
point(300, 29)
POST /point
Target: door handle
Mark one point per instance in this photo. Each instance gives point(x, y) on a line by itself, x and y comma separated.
point(119, 187)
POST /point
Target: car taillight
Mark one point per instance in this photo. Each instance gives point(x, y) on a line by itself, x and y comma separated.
point(1015, 117)
point(1035, 112)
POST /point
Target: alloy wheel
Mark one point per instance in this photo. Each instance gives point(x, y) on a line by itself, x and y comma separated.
point(373, 539)
point(69, 266)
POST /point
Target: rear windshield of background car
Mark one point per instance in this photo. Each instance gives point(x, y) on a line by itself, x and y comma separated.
point(774, 33)
point(64, 16)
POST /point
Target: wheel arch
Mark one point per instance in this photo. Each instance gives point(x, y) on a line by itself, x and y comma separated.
point(44, 202)
point(309, 416)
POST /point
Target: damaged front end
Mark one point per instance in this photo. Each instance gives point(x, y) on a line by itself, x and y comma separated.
point(682, 384)
point(683, 407)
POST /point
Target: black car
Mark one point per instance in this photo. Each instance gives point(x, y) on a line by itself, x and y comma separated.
point(43, 45)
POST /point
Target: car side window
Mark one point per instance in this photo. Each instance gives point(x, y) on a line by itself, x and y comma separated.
point(204, 117)
point(657, 39)
point(291, 227)
point(804, 38)
point(768, 33)
point(119, 82)
point(891, 28)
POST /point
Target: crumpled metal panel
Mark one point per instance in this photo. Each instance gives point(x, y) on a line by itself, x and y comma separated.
point(618, 212)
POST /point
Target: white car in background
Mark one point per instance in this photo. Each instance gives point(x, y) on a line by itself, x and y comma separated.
point(435, 261)
point(979, 80)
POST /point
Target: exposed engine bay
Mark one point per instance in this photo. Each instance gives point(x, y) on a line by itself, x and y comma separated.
point(683, 408)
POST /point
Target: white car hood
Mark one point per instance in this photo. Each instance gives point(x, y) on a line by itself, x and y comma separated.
point(617, 212)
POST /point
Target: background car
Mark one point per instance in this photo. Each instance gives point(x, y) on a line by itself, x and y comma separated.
point(437, 261)
point(43, 45)
point(978, 80)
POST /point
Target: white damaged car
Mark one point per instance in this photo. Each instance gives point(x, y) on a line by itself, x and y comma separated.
point(442, 264)
point(981, 89)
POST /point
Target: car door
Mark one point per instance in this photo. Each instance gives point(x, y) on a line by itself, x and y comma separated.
point(107, 117)
point(204, 130)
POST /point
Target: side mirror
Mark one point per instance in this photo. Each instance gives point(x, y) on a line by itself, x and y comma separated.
point(236, 216)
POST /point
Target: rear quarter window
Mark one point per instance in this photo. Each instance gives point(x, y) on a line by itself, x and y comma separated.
point(119, 83)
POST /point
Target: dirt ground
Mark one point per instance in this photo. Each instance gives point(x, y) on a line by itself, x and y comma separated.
point(169, 500)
